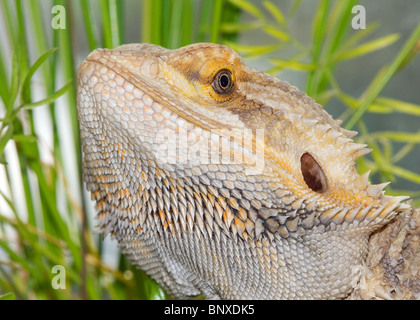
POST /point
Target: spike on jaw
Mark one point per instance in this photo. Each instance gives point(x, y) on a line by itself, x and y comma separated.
point(387, 211)
point(333, 135)
point(388, 208)
point(339, 217)
point(361, 153)
point(322, 128)
point(391, 199)
point(375, 190)
point(362, 213)
point(404, 206)
point(349, 133)
point(351, 215)
point(363, 181)
point(311, 123)
point(326, 217)
point(356, 150)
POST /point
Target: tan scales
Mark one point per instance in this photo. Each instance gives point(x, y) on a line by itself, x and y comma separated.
point(219, 179)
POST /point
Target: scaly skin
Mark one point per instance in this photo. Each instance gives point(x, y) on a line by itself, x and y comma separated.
point(232, 184)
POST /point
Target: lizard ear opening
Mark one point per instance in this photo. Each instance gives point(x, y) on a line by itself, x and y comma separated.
point(313, 174)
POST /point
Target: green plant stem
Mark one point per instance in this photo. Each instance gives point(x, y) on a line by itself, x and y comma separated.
point(90, 25)
point(204, 21)
point(216, 20)
point(320, 31)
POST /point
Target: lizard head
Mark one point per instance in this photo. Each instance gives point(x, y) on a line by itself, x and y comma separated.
point(296, 164)
point(312, 154)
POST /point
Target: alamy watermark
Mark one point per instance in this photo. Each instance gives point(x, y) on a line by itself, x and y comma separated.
point(181, 146)
point(59, 19)
point(59, 280)
point(359, 19)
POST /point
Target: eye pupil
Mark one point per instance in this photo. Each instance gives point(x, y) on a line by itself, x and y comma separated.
point(222, 82)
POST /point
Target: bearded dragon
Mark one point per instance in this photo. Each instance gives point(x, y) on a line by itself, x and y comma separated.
point(220, 180)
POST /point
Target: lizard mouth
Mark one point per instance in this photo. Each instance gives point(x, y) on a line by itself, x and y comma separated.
point(313, 174)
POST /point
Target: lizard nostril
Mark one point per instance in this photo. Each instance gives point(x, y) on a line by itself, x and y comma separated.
point(313, 174)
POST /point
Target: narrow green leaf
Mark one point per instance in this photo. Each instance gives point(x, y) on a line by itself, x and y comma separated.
point(156, 26)
point(176, 26)
point(227, 27)
point(247, 6)
point(26, 82)
point(398, 136)
point(11, 206)
point(276, 33)
point(393, 105)
point(49, 99)
point(294, 8)
point(366, 48)
point(5, 138)
point(404, 173)
point(404, 151)
point(340, 22)
point(204, 20)
point(166, 28)
point(90, 25)
point(413, 52)
point(14, 83)
point(147, 21)
point(358, 36)
point(319, 35)
point(24, 138)
point(8, 296)
point(230, 14)
point(293, 65)
point(3, 79)
point(187, 22)
point(106, 23)
point(41, 40)
point(349, 101)
point(27, 265)
point(110, 14)
point(377, 107)
point(275, 12)
point(115, 22)
point(216, 21)
point(253, 50)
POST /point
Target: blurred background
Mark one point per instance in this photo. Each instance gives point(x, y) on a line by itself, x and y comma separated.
point(369, 78)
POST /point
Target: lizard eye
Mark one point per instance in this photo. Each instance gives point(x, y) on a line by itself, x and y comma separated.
point(222, 82)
